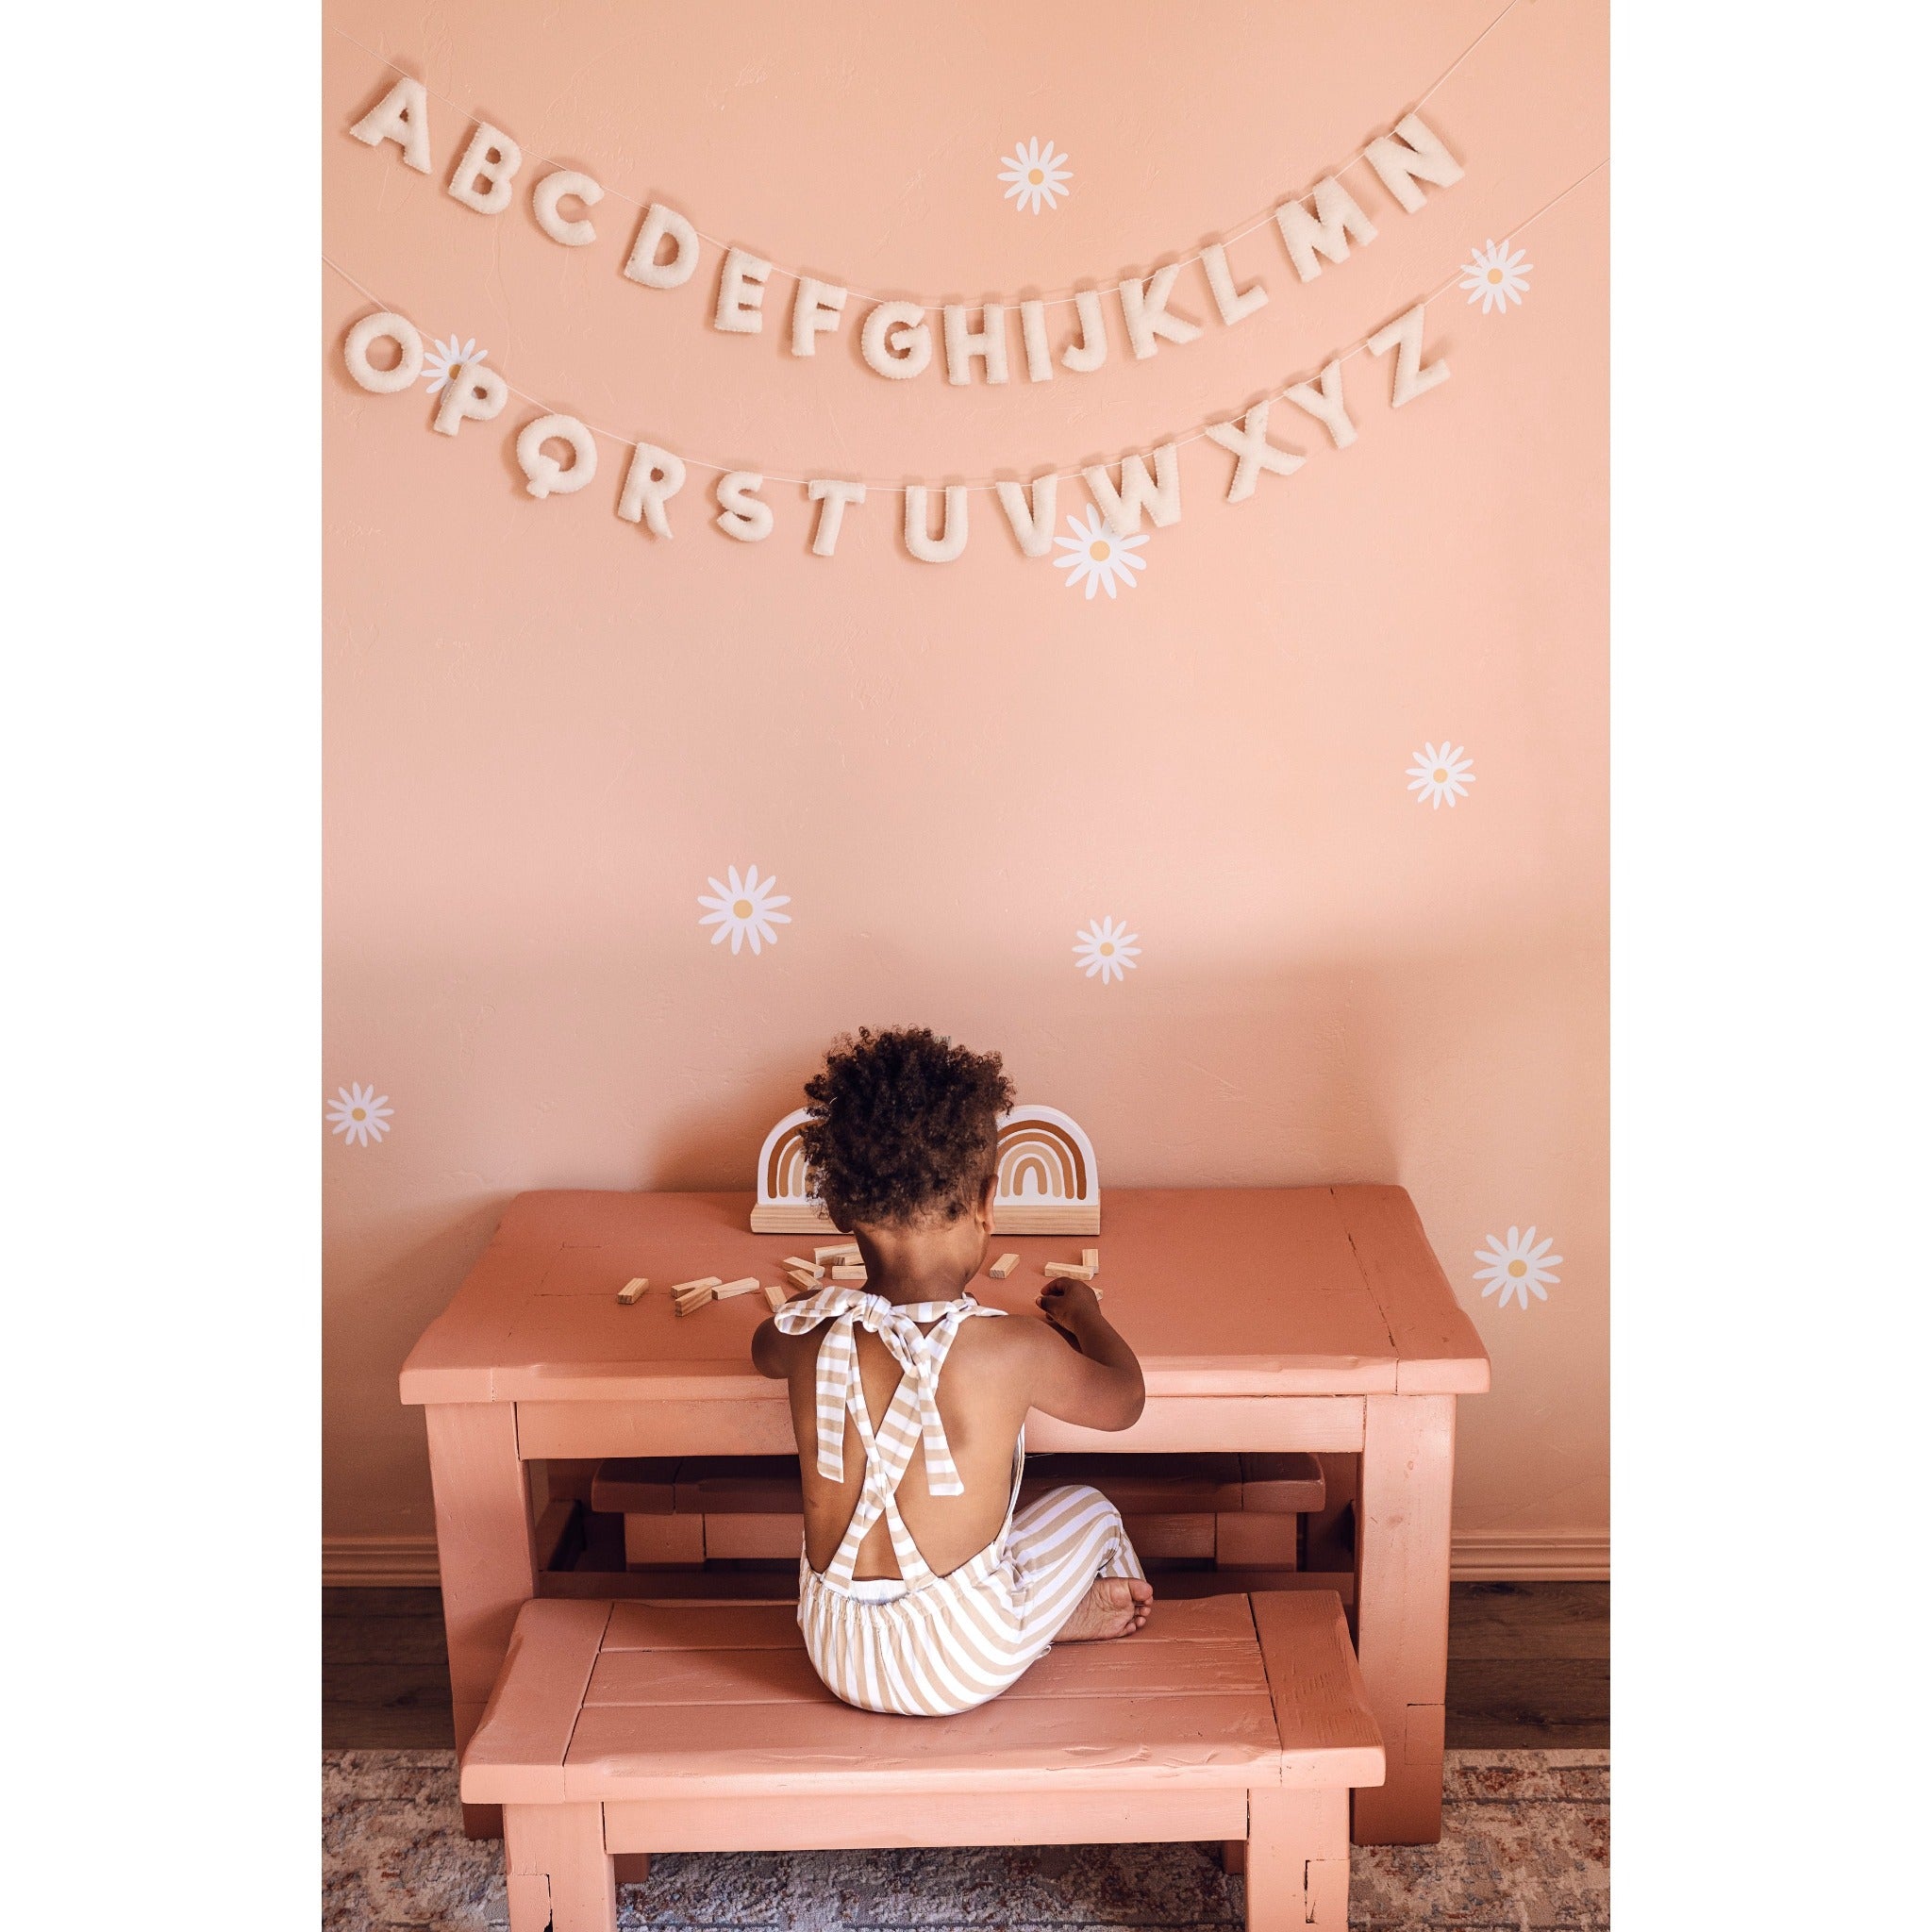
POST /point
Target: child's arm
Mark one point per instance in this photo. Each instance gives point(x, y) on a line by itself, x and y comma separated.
point(765, 1350)
point(1097, 1382)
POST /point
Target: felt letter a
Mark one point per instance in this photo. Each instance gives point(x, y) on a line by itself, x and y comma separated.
point(402, 116)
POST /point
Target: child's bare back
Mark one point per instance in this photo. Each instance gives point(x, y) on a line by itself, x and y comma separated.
point(923, 1588)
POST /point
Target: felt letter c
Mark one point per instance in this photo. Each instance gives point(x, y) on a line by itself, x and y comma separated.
point(549, 191)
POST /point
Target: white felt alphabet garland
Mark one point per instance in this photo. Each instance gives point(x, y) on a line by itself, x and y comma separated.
point(897, 339)
point(936, 522)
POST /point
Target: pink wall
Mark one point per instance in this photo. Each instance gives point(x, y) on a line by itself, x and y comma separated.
point(545, 730)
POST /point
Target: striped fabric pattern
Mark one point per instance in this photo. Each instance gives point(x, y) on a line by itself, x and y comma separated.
point(937, 1644)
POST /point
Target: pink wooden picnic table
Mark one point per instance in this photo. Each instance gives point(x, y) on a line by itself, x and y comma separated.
point(1265, 1319)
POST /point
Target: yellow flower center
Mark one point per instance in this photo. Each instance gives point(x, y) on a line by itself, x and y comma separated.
point(741, 908)
point(1495, 274)
point(356, 1113)
point(1440, 774)
point(1519, 1267)
point(1107, 947)
point(1097, 551)
point(1036, 177)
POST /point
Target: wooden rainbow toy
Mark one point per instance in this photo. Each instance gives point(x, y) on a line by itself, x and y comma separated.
point(1048, 1182)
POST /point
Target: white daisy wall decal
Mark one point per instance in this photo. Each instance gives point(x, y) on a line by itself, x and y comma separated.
point(1037, 175)
point(1097, 558)
point(1440, 774)
point(1519, 1264)
point(360, 1114)
point(441, 361)
point(745, 909)
point(1496, 277)
point(1106, 948)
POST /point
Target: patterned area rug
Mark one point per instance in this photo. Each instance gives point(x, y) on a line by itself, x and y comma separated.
point(1525, 1845)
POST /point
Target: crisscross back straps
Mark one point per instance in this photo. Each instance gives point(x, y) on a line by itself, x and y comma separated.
point(911, 1418)
point(920, 1357)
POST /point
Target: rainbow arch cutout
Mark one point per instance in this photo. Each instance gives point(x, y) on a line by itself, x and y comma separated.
point(1048, 1180)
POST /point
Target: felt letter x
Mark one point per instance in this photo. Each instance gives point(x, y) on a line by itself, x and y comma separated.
point(1253, 452)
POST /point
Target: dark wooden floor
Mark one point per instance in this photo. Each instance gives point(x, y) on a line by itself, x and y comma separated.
point(1530, 1665)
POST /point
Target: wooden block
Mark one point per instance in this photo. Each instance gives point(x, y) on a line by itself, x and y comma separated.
point(1067, 1271)
point(633, 1290)
point(754, 1538)
point(678, 1540)
point(1255, 1541)
point(1004, 1267)
point(1089, 1259)
point(689, 1304)
point(801, 1279)
point(835, 1252)
point(1171, 1539)
point(745, 1284)
point(1283, 1485)
point(699, 1281)
point(853, 1274)
point(812, 1268)
point(775, 1297)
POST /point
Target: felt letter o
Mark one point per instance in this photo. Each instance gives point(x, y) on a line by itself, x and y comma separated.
point(741, 512)
point(896, 341)
point(402, 332)
point(549, 191)
point(548, 478)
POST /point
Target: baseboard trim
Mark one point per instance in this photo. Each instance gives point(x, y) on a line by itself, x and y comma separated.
point(1475, 1556)
point(370, 1562)
point(1530, 1556)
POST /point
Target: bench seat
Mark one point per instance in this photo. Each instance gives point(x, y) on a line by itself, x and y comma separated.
point(684, 1510)
point(624, 1728)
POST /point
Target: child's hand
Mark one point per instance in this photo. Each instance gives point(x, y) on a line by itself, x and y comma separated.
point(1067, 1304)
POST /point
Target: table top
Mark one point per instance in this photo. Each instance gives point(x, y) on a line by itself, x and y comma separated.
point(1220, 1291)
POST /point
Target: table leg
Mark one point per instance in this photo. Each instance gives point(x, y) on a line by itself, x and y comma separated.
point(1402, 1608)
point(484, 1552)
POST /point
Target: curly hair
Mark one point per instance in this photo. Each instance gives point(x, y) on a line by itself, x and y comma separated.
point(902, 1126)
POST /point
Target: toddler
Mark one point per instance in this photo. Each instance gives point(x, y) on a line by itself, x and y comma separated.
point(921, 1590)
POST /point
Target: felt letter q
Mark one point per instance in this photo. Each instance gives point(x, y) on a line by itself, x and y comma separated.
point(402, 332)
point(548, 478)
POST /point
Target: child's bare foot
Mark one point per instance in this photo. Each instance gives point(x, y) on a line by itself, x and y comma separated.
point(1115, 1606)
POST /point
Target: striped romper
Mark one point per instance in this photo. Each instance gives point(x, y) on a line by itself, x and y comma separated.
point(918, 1644)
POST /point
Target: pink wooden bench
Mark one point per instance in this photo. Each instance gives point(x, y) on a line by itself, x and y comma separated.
point(631, 1728)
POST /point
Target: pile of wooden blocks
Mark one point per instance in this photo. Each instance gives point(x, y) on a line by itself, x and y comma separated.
point(689, 1296)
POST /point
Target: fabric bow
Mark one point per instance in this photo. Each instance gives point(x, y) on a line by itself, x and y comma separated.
point(919, 1353)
